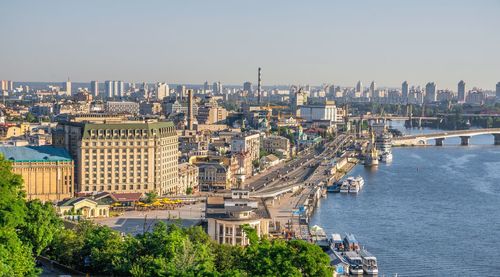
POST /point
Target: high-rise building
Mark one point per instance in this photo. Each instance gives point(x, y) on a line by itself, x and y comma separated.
point(217, 88)
point(247, 86)
point(114, 89)
point(359, 87)
point(498, 92)
point(181, 91)
point(122, 157)
point(67, 87)
point(4, 85)
point(462, 94)
point(94, 88)
point(430, 92)
point(373, 88)
point(162, 91)
point(206, 87)
point(404, 91)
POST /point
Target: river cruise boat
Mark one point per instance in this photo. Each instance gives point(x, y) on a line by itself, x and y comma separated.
point(355, 262)
point(386, 157)
point(369, 262)
point(354, 187)
point(319, 237)
point(351, 243)
point(360, 181)
point(336, 243)
point(344, 188)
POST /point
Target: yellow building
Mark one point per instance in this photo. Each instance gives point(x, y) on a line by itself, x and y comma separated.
point(123, 157)
point(47, 171)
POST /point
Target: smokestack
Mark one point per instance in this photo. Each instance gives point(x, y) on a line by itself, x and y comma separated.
point(190, 109)
point(258, 88)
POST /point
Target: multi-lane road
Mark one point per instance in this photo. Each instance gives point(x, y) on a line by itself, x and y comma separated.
point(307, 167)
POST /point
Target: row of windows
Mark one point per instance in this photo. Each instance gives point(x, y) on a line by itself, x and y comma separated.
point(115, 187)
point(116, 143)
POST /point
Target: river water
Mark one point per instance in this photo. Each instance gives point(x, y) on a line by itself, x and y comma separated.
point(434, 211)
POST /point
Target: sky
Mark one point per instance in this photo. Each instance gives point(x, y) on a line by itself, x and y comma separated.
point(295, 42)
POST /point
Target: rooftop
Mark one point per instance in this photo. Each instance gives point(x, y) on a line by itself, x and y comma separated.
point(35, 153)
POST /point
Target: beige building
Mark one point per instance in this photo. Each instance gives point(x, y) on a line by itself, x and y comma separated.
point(249, 144)
point(227, 216)
point(85, 207)
point(273, 144)
point(188, 178)
point(213, 176)
point(133, 156)
point(47, 171)
point(211, 113)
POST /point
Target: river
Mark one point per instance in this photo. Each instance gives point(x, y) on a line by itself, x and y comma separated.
point(434, 211)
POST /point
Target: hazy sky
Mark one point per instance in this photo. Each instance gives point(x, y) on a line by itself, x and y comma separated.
point(293, 41)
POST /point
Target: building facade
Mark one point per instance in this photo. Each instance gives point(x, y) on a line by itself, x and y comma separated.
point(188, 178)
point(122, 157)
point(277, 144)
point(47, 171)
point(321, 112)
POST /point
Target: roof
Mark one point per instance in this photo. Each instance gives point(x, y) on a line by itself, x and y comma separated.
point(127, 197)
point(45, 153)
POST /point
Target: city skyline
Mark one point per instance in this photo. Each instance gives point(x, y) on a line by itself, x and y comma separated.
point(323, 42)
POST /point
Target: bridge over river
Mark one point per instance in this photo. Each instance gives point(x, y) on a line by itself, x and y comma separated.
point(464, 135)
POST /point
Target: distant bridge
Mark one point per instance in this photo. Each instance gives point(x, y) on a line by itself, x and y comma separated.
point(422, 139)
point(398, 118)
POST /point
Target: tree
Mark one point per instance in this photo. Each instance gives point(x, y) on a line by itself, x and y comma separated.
point(151, 196)
point(189, 190)
point(16, 257)
point(31, 118)
point(40, 226)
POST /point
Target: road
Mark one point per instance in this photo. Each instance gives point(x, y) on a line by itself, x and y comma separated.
point(309, 168)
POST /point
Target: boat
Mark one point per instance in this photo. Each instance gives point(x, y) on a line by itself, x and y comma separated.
point(360, 181)
point(336, 243)
point(344, 187)
point(350, 243)
point(386, 157)
point(319, 237)
point(369, 262)
point(334, 188)
point(354, 187)
point(371, 158)
point(355, 262)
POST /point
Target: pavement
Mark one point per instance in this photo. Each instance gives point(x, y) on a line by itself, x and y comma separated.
point(137, 222)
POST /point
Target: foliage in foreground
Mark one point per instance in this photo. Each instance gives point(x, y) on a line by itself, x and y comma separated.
point(170, 250)
point(30, 228)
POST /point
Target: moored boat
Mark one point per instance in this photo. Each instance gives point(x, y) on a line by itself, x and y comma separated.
point(355, 262)
point(386, 157)
point(369, 262)
point(344, 187)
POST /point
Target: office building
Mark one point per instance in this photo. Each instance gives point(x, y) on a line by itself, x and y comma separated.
point(114, 89)
point(498, 92)
point(67, 87)
point(462, 94)
point(373, 88)
point(430, 92)
point(248, 144)
point(122, 157)
point(122, 107)
point(247, 86)
point(319, 112)
point(404, 91)
point(359, 87)
point(94, 88)
point(181, 91)
point(161, 91)
point(47, 171)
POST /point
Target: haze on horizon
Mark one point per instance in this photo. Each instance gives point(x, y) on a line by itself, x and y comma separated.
point(303, 42)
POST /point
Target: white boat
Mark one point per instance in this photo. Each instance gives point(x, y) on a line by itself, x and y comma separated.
point(354, 187)
point(369, 262)
point(360, 181)
point(386, 157)
point(345, 186)
point(355, 262)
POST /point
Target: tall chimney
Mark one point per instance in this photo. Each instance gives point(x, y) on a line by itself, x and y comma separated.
point(190, 109)
point(258, 88)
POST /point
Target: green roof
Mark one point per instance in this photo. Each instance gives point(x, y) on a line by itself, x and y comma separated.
point(149, 126)
point(34, 153)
